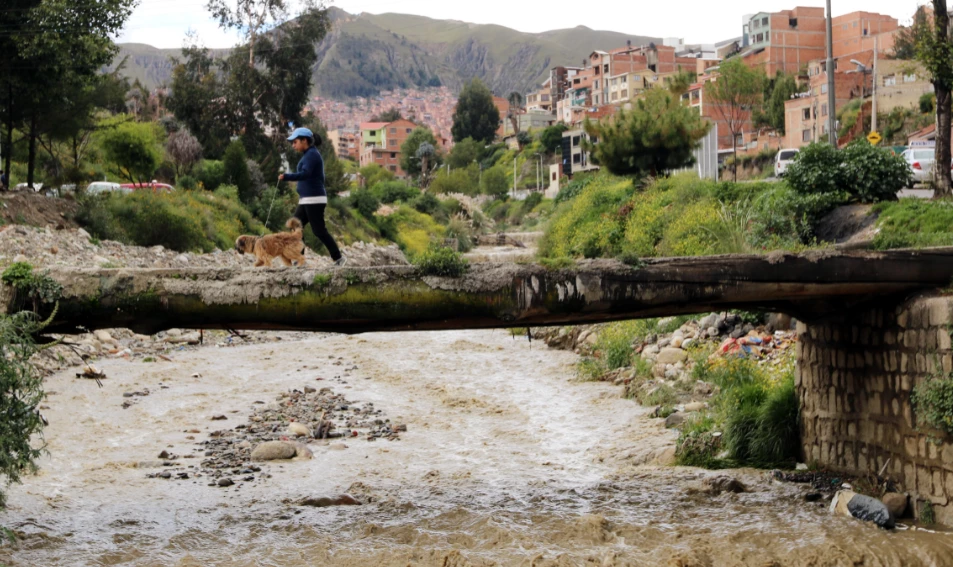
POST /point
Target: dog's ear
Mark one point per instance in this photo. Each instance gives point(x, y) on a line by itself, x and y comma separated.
point(240, 244)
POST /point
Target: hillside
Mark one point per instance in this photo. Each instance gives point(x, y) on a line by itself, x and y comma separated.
point(366, 53)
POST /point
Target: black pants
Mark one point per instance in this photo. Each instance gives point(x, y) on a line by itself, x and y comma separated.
point(314, 214)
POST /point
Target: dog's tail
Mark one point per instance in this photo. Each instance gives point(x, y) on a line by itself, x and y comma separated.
point(294, 225)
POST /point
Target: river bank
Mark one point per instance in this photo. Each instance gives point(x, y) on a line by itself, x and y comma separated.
point(507, 459)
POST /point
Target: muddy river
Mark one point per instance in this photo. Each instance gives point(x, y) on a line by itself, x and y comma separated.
point(507, 460)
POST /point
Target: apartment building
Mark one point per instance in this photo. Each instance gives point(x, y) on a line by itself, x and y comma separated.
point(657, 59)
point(503, 107)
point(574, 158)
point(346, 143)
point(806, 117)
point(784, 41)
point(541, 100)
point(857, 33)
point(381, 142)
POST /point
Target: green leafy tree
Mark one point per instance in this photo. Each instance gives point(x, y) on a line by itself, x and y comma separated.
point(784, 86)
point(495, 182)
point(197, 100)
point(373, 174)
point(659, 134)
point(516, 106)
point(935, 52)
point(524, 138)
point(464, 153)
point(680, 82)
point(475, 115)
point(236, 171)
point(410, 162)
point(133, 148)
point(552, 137)
point(735, 94)
point(905, 42)
point(51, 49)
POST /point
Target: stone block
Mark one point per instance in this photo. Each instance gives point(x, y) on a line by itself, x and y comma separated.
point(939, 309)
point(946, 456)
point(924, 480)
point(905, 383)
point(854, 332)
point(921, 363)
point(862, 463)
point(909, 477)
point(890, 338)
point(916, 318)
point(875, 339)
point(910, 338)
point(938, 484)
point(908, 416)
point(929, 340)
point(880, 433)
point(895, 407)
point(801, 328)
point(922, 447)
point(943, 340)
point(865, 336)
point(852, 430)
point(947, 363)
point(910, 447)
point(876, 407)
point(903, 318)
point(932, 451)
point(949, 484)
point(904, 363)
point(835, 334)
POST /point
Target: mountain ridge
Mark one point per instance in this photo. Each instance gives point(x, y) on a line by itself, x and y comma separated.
point(365, 54)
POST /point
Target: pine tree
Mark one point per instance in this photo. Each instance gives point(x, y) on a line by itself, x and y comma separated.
point(475, 115)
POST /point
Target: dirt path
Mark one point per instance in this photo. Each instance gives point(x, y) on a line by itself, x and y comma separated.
point(507, 460)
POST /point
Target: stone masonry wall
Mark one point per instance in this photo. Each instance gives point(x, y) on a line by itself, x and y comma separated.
point(854, 379)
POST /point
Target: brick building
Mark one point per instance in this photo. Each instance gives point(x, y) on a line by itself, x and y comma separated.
point(784, 41)
point(381, 144)
point(346, 143)
point(806, 117)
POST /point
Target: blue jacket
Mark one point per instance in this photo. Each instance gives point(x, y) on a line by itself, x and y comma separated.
point(310, 174)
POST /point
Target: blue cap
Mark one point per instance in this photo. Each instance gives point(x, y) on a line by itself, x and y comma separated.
point(300, 133)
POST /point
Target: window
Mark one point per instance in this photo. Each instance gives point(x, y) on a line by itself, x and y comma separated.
point(373, 133)
point(409, 130)
point(615, 96)
point(767, 36)
point(910, 78)
point(890, 80)
point(393, 168)
point(393, 155)
point(806, 114)
point(805, 135)
point(576, 158)
point(392, 143)
point(739, 140)
point(605, 68)
point(554, 177)
point(764, 21)
point(625, 93)
point(393, 130)
point(575, 141)
point(824, 88)
point(823, 110)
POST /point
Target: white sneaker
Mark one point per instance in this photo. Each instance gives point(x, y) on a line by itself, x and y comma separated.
point(341, 261)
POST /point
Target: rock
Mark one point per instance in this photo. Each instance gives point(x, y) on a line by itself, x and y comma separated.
point(694, 406)
point(665, 322)
point(274, 450)
point(813, 496)
point(687, 343)
point(801, 467)
point(708, 321)
point(223, 482)
point(671, 356)
point(325, 501)
point(675, 420)
point(164, 474)
point(664, 342)
point(712, 331)
point(666, 457)
point(737, 333)
point(302, 452)
point(677, 342)
point(164, 455)
point(896, 503)
point(83, 234)
point(650, 351)
point(702, 388)
point(104, 337)
point(219, 418)
point(849, 503)
point(719, 484)
point(298, 429)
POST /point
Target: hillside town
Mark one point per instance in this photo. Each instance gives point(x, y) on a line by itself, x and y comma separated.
point(789, 42)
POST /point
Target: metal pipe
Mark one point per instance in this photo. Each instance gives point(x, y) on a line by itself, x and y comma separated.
point(873, 104)
point(831, 100)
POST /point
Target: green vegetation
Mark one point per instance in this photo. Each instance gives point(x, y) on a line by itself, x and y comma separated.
point(914, 223)
point(31, 290)
point(755, 412)
point(933, 402)
point(440, 261)
point(182, 220)
point(659, 134)
point(737, 92)
point(475, 116)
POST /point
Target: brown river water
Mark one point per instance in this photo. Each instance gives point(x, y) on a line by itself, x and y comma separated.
point(507, 460)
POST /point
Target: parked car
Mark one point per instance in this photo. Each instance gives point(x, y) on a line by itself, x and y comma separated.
point(783, 160)
point(152, 186)
point(99, 187)
point(920, 161)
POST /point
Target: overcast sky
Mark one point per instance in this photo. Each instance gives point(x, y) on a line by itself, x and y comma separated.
point(164, 23)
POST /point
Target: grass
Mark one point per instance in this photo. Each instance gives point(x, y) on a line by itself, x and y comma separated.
point(914, 223)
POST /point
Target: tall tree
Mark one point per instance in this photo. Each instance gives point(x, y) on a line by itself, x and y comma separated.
point(255, 18)
point(516, 106)
point(409, 160)
point(905, 42)
point(735, 93)
point(50, 49)
point(935, 51)
point(134, 148)
point(464, 152)
point(198, 99)
point(184, 150)
point(782, 88)
point(391, 115)
point(658, 135)
point(475, 115)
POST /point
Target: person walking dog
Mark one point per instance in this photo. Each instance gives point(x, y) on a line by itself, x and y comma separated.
point(312, 196)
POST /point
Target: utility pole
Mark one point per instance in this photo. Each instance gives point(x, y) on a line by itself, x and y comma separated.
point(873, 94)
point(831, 100)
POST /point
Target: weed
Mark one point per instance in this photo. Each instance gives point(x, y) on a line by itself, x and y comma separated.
point(662, 396)
point(321, 280)
point(148, 359)
point(933, 402)
point(927, 515)
point(351, 278)
point(560, 263)
point(440, 261)
point(590, 369)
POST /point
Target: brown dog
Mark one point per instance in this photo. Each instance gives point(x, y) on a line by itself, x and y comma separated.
point(285, 245)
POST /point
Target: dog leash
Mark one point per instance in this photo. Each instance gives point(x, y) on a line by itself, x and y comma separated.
point(272, 203)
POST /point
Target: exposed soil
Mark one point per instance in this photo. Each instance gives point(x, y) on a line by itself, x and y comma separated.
point(37, 210)
point(849, 227)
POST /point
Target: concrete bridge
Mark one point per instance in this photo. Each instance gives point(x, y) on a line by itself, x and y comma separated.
point(811, 286)
point(873, 325)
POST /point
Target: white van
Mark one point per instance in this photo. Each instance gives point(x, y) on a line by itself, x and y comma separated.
point(783, 160)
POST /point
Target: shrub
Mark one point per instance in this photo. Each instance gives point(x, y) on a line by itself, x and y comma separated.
point(572, 189)
point(365, 202)
point(411, 230)
point(393, 191)
point(866, 173)
point(816, 169)
point(187, 182)
point(426, 203)
point(459, 228)
point(495, 183)
point(933, 402)
point(873, 174)
point(210, 174)
point(780, 213)
point(440, 261)
point(927, 103)
point(181, 220)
